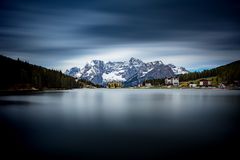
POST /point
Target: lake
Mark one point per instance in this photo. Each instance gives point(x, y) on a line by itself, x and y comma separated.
point(121, 124)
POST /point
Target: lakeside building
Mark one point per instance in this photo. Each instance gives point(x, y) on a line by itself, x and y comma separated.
point(222, 86)
point(192, 85)
point(172, 81)
point(205, 83)
point(236, 83)
point(148, 84)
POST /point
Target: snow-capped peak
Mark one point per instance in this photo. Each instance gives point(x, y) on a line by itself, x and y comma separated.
point(135, 61)
point(157, 62)
point(178, 70)
point(74, 72)
point(94, 63)
point(99, 72)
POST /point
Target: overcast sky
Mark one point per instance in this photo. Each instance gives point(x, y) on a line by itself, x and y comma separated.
point(62, 34)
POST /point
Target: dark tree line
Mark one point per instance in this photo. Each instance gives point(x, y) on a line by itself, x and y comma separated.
point(227, 73)
point(197, 75)
point(83, 83)
point(17, 74)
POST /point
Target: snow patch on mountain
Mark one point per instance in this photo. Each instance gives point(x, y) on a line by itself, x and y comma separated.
point(113, 76)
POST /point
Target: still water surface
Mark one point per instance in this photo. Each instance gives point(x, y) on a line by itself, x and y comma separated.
point(121, 123)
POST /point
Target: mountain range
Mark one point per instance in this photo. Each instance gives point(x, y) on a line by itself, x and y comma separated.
point(130, 72)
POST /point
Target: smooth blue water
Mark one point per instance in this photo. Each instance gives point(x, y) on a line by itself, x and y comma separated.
point(121, 123)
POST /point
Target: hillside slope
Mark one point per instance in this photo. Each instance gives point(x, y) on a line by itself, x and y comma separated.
point(19, 75)
point(227, 73)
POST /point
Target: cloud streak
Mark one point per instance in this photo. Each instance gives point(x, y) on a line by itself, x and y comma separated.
point(64, 31)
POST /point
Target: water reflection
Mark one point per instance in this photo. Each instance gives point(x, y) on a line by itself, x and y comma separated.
point(106, 123)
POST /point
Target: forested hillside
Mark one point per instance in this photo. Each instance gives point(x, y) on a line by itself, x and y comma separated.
point(16, 74)
point(227, 73)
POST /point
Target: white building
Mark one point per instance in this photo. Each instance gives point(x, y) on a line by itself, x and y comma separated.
point(192, 85)
point(148, 84)
point(172, 81)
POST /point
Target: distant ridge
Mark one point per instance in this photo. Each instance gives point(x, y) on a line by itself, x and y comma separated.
point(129, 72)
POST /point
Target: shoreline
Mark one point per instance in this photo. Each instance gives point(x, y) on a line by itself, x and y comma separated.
point(29, 91)
point(35, 91)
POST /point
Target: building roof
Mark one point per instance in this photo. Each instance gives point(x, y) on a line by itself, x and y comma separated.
point(204, 80)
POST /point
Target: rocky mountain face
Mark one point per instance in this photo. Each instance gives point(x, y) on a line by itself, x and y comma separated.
point(130, 72)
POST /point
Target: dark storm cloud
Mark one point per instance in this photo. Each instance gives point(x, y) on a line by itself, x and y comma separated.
point(172, 20)
point(74, 28)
